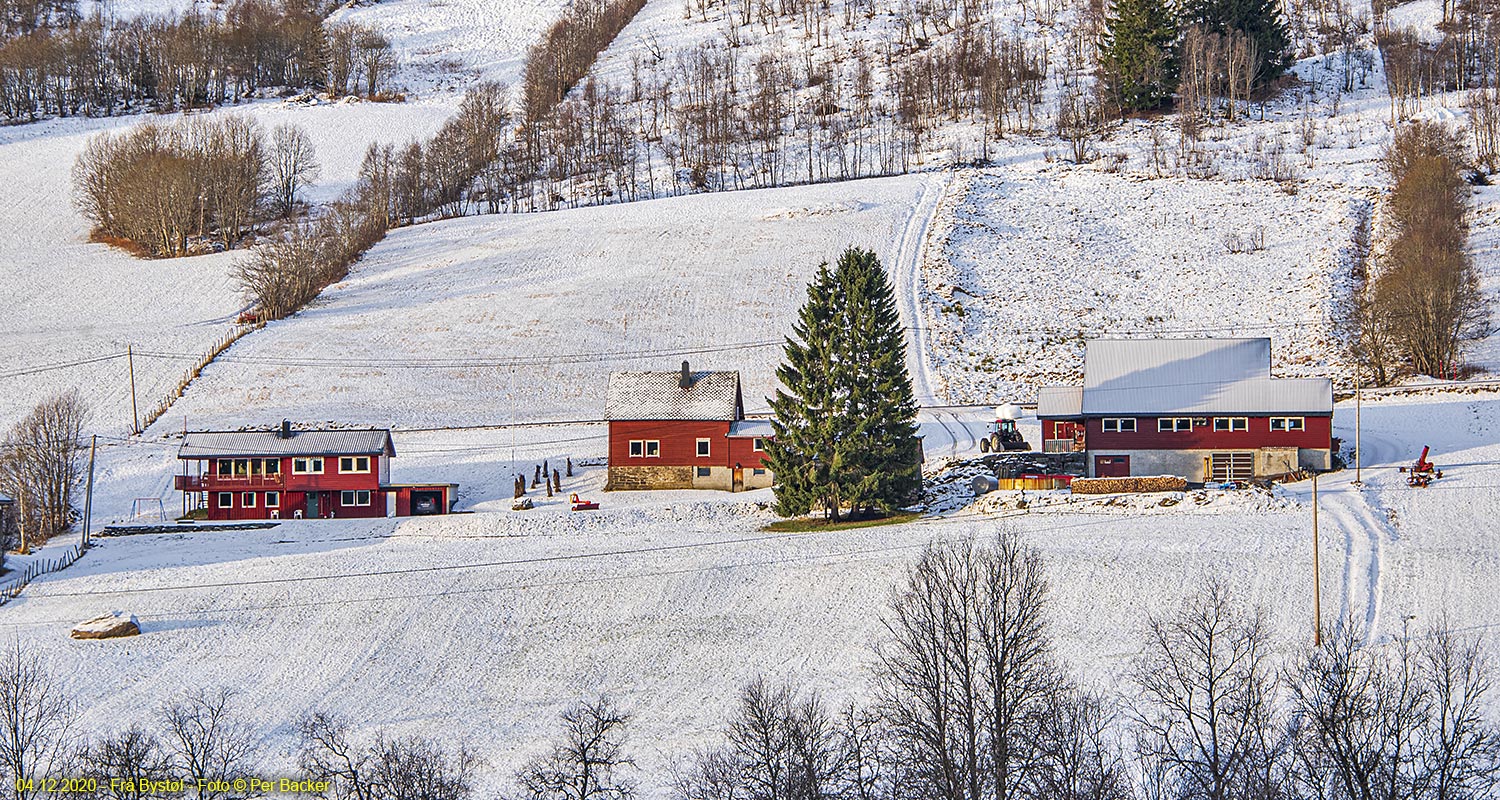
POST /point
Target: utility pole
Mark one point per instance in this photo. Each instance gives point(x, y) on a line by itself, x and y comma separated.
point(88, 498)
point(21, 499)
point(135, 415)
point(1317, 592)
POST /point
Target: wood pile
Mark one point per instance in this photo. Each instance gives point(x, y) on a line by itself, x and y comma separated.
point(1159, 483)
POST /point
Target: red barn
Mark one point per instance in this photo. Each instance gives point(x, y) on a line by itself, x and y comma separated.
point(1204, 409)
point(683, 430)
point(291, 474)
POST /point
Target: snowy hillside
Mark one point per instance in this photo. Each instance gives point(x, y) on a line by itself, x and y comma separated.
point(521, 317)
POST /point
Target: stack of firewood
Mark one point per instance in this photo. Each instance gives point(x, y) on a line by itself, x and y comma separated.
point(1160, 483)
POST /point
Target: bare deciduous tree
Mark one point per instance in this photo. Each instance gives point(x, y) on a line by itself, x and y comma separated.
point(36, 720)
point(1207, 710)
point(967, 676)
point(41, 464)
point(384, 769)
point(127, 765)
point(294, 165)
point(207, 741)
point(586, 762)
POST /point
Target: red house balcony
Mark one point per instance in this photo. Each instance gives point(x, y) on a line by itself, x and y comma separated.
point(228, 483)
point(189, 483)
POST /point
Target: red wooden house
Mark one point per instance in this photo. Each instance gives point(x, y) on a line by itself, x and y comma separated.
point(1204, 409)
point(296, 474)
point(683, 430)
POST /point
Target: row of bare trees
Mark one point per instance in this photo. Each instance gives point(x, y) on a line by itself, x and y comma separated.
point(204, 740)
point(158, 186)
point(97, 66)
point(1421, 308)
point(974, 704)
point(443, 176)
point(41, 469)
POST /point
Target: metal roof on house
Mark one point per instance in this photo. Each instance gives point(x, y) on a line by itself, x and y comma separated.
point(658, 395)
point(758, 428)
point(221, 444)
point(1059, 401)
point(1191, 376)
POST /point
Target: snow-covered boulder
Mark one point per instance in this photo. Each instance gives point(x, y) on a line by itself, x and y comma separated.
point(108, 626)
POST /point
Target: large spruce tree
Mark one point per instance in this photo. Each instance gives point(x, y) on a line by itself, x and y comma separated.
point(845, 418)
point(1261, 20)
point(1138, 54)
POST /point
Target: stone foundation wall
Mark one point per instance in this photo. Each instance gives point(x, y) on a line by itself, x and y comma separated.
point(634, 478)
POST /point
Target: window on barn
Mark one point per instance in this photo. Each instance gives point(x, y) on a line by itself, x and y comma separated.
point(1174, 424)
point(241, 467)
point(354, 464)
point(273, 466)
point(704, 472)
point(1222, 424)
point(653, 448)
point(637, 448)
point(307, 466)
point(757, 471)
point(273, 499)
point(1288, 424)
point(355, 498)
point(1119, 425)
point(226, 499)
point(247, 499)
point(225, 467)
point(703, 447)
point(758, 445)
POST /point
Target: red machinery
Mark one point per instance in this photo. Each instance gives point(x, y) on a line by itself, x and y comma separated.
point(1423, 472)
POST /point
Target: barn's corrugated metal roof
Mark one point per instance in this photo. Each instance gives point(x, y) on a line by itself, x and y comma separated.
point(218, 444)
point(657, 395)
point(752, 428)
point(1059, 401)
point(1194, 376)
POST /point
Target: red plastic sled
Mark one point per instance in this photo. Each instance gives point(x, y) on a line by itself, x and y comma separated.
point(583, 505)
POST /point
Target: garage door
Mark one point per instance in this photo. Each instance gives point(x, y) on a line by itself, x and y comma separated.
point(1232, 466)
point(1111, 466)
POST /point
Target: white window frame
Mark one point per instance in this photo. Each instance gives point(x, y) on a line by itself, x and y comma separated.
point(637, 448)
point(272, 466)
point(224, 468)
point(355, 467)
point(1232, 424)
point(705, 448)
point(355, 498)
point(758, 445)
point(1287, 424)
point(1121, 424)
point(1170, 424)
point(653, 448)
point(273, 499)
point(222, 496)
point(703, 472)
point(247, 499)
point(311, 465)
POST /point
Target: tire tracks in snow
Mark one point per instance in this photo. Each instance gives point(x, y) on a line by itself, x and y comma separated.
point(1366, 529)
point(907, 278)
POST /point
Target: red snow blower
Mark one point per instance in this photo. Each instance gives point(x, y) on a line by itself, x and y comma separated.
point(1422, 473)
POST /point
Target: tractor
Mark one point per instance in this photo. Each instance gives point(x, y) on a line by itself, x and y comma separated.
point(1002, 433)
point(1422, 473)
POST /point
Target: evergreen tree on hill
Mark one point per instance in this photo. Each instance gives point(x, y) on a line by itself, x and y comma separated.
point(1138, 54)
point(1261, 20)
point(845, 419)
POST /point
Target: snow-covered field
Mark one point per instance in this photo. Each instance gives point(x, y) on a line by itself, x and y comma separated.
point(671, 601)
point(510, 318)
